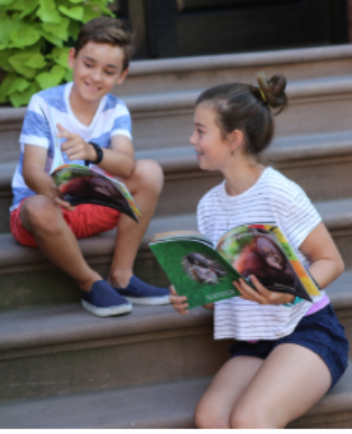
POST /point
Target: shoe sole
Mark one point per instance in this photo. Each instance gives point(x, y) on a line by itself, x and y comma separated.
point(106, 311)
point(149, 301)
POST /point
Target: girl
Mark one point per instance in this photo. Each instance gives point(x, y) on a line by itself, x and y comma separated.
point(288, 352)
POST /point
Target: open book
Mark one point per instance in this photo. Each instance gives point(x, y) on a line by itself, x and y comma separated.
point(205, 274)
point(79, 184)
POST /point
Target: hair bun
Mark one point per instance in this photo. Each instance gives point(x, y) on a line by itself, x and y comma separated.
point(273, 90)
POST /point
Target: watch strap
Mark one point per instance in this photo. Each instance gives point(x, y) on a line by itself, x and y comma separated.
point(99, 152)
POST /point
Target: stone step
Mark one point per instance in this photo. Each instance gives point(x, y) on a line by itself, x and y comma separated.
point(320, 163)
point(165, 120)
point(28, 280)
point(156, 406)
point(165, 75)
point(64, 349)
point(43, 350)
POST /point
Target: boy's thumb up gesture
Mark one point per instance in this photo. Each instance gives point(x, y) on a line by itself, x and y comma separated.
point(75, 147)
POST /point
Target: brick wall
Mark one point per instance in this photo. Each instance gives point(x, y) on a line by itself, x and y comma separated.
point(350, 17)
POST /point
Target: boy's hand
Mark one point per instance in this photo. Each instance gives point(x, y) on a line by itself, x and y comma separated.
point(75, 147)
point(262, 295)
point(178, 302)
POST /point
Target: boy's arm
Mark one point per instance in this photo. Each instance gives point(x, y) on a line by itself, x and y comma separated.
point(118, 160)
point(35, 176)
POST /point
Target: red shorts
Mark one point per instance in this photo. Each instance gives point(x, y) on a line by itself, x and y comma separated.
point(85, 221)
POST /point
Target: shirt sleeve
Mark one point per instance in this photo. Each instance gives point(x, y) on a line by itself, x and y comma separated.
point(122, 123)
point(301, 218)
point(36, 129)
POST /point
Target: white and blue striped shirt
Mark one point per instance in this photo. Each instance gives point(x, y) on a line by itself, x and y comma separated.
point(52, 106)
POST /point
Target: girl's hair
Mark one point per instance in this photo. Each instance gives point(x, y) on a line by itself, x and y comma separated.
point(248, 108)
point(106, 30)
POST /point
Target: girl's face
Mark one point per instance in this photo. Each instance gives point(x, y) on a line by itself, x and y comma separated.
point(213, 151)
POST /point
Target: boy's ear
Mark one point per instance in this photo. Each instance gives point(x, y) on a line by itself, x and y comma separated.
point(122, 76)
point(71, 57)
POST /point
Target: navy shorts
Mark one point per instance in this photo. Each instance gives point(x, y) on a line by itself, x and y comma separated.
point(321, 332)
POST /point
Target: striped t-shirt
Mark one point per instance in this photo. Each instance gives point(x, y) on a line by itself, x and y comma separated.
point(52, 106)
point(272, 199)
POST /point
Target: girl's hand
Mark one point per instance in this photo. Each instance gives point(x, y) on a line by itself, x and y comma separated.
point(179, 303)
point(262, 295)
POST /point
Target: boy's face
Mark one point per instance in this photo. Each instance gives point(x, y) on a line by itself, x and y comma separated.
point(96, 70)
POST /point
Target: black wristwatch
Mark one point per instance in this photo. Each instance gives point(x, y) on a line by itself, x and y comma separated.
point(99, 152)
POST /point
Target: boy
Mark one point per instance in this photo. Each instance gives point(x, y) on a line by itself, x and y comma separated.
point(92, 125)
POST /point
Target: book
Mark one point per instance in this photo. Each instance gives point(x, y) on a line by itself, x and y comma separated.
point(80, 184)
point(205, 274)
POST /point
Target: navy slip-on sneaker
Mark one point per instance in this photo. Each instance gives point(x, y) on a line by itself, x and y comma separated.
point(102, 300)
point(138, 292)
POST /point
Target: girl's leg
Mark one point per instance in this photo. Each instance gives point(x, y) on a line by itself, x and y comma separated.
point(215, 407)
point(289, 382)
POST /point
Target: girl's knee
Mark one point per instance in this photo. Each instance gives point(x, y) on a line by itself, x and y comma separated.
point(249, 417)
point(149, 174)
point(205, 417)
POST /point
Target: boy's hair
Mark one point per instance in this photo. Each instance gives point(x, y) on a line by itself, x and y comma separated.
point(106, 30)
point(247, 108)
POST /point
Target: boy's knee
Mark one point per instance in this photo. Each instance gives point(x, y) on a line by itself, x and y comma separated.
point(150, 174)
point(41, 212)
point(210, 418)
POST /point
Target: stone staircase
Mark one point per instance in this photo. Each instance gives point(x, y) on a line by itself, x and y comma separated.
point(61, 367)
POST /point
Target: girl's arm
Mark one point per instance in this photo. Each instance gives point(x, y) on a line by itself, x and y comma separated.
point(326, 266)
point(326, 261)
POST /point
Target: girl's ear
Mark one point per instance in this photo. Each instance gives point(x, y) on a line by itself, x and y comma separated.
point(236, 139)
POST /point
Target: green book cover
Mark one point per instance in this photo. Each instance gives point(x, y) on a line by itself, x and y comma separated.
point(205, 275)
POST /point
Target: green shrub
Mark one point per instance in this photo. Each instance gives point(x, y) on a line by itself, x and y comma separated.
point(35, 37)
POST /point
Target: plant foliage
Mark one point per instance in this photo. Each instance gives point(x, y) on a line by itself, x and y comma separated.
point(35, 37)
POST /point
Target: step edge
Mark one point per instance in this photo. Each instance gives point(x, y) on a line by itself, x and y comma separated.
point(240, 60)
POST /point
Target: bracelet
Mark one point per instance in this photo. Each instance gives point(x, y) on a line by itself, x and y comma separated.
point(99, 152)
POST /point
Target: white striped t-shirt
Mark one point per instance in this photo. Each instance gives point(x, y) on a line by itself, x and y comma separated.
point(52, 106)
point(272, 199)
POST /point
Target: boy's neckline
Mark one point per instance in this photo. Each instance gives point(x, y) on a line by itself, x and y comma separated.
point(81, 125)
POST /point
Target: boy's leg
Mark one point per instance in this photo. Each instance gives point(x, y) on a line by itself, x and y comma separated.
point(216, 405)
point(43, 218)
point(290, 381)
point(145, 185)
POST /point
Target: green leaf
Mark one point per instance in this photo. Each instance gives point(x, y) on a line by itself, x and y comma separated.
point(22, 98)
point(4, 59)
point(89, 14)
point(6, 83)
point(18, 62)
point(31, 5)
point(76, 1)
point(75, 13)
point(18, 85)
point(24, 36)
point(37, 61)
point(74, 29)
point(48, 12)
point(7, 25)
point(68, 75)
point(52, 78)
point(17, 5)
point(51, 38)
point(58, 30)
point(60, 56)
point(6, 2)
